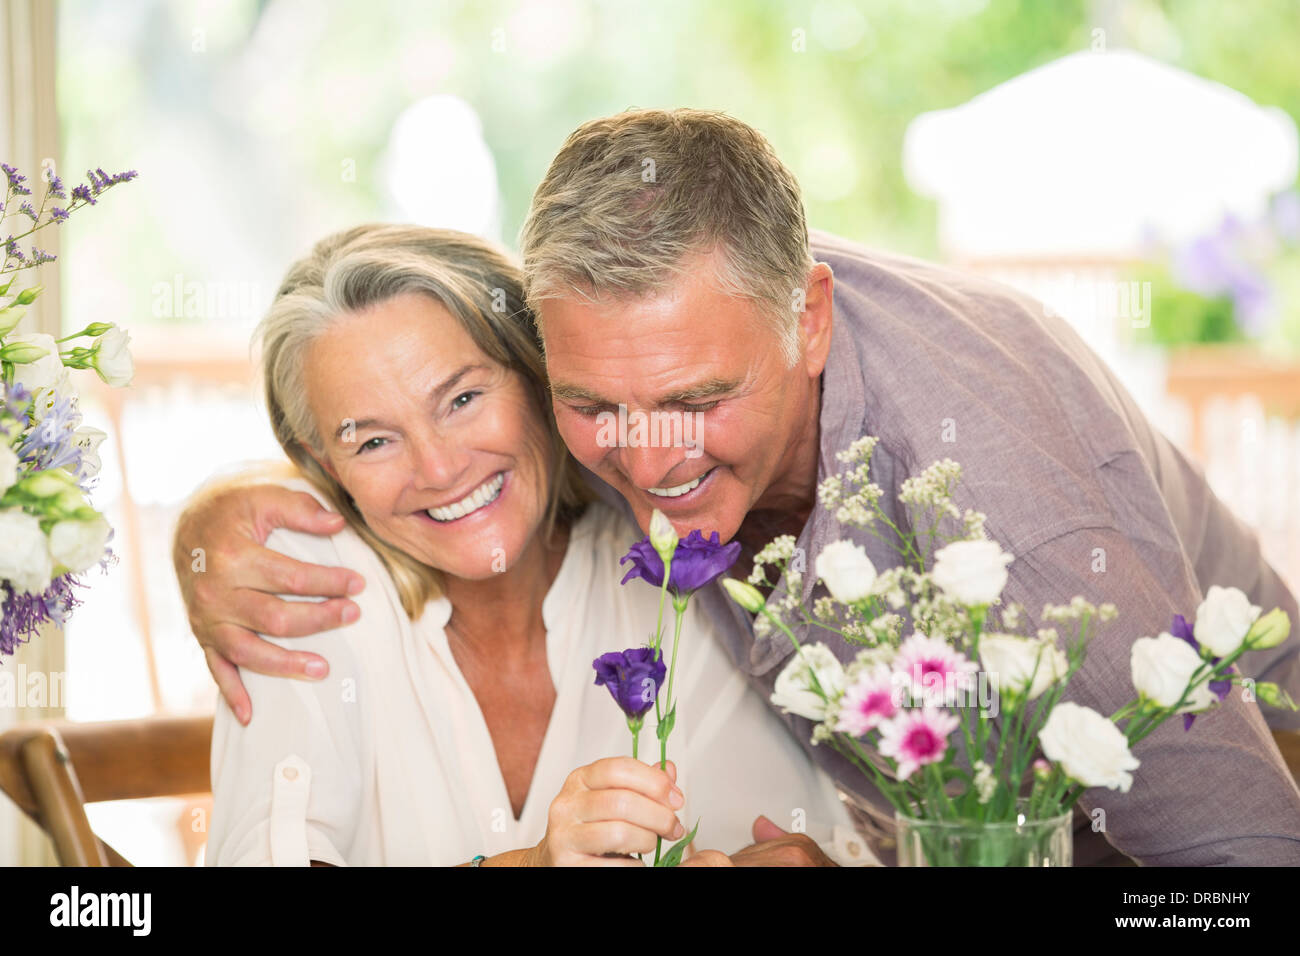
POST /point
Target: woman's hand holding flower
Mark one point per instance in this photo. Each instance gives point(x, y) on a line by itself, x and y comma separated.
point(608, 810)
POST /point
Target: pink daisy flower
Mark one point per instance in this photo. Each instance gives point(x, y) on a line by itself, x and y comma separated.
point(935, 669)
point(867, 701)
point(917, 737)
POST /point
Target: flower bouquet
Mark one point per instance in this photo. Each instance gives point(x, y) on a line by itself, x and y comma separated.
point(49, 531)
point(679, 567)
point(940, 658)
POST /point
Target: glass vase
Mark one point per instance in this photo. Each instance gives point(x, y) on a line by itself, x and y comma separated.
point(1023, 842)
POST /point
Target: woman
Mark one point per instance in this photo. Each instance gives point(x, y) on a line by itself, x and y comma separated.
point(461, 719)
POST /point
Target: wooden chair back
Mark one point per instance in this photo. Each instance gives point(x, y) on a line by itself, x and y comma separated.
point(52, 769)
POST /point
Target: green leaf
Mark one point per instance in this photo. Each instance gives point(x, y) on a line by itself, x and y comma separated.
point(674, 854)
point(665, 726)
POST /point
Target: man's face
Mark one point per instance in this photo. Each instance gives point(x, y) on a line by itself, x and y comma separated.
point(712, 358)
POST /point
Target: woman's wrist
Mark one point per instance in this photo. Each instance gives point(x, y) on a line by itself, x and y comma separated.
point(513, 858)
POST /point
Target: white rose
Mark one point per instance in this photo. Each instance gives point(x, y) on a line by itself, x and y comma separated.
point(1009, 661)
point(1163, 667)
point(1090, 749)
point(112, 359)
point(24, 559)
point(78, 545)
point(847, 571)
point(793, 691)
point(971, 572)
point(8, 468)
point(1223, 619)
point(47, 371)
point(89, 439)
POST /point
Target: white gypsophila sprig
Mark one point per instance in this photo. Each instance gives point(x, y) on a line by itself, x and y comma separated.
point(886, 629)
point(932, 488)
point(830, 491)
point(869, 657)
point(825, 609)
point(1075, 611)
point(859, 451)
point(851, 495)
point(858, 510)
point(777, 552)
point(1011, 617)
point(973, 524)
point(856, 632)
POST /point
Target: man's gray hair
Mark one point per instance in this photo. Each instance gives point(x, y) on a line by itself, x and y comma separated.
point(630, 198)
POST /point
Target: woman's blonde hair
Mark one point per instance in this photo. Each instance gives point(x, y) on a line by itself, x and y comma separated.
point(364, 266)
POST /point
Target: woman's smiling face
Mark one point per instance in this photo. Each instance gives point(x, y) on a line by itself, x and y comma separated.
point(442, 450)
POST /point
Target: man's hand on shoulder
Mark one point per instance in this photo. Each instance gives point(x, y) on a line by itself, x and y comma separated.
point(229, 580)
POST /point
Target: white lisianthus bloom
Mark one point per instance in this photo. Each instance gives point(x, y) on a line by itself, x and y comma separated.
point(78, 545)
point(1009, 661)
point(971, 572)
point(1089, 748)
point(663, 536)
point(8, 468)
point(88, 439)
point(112, 358)
point(1163, 667)
point(847, 571)
point(1223, 619)
point(1270, 630)
point(24, 559)
point(793, 691)
point(744, 594)
point(46, 371)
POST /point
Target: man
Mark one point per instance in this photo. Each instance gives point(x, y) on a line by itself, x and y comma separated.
point(666, 256)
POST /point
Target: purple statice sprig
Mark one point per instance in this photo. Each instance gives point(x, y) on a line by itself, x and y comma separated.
point(82, 195)
point(1219, 688)
point(24, 613)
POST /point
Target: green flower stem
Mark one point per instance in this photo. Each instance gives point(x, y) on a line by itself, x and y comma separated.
point(659, 715)
point(659, 629)
point(634, 725)
point(679, 607)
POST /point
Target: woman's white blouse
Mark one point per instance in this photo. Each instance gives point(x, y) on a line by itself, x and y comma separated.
point(388, 761)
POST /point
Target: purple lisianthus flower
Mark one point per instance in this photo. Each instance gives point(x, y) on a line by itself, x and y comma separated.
point(696, 562)
point(1219, 688)
point(633, 678)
